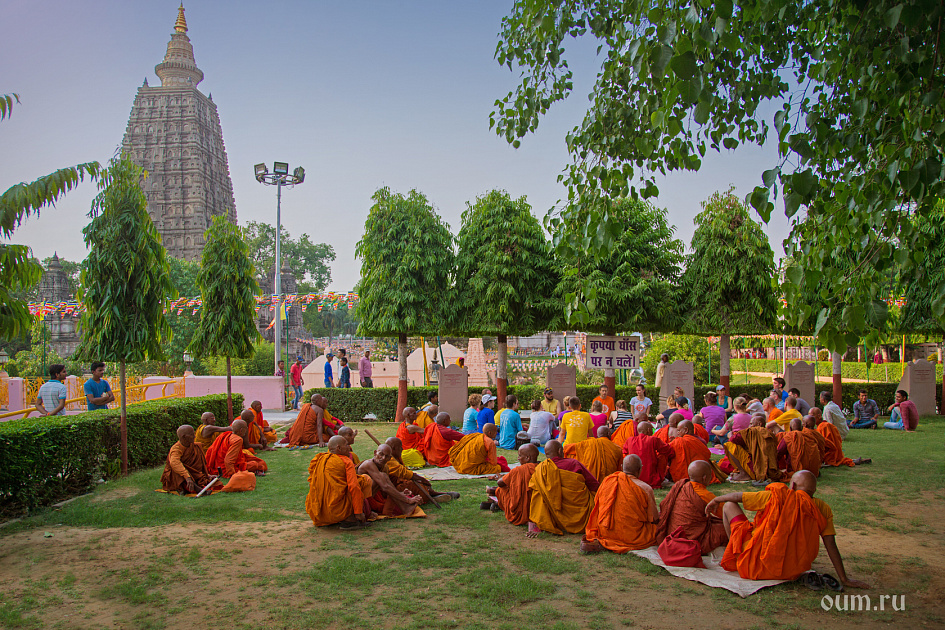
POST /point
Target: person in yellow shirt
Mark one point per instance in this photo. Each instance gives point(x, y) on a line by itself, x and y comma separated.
point(576, 424)
point(550, 403)
point(790, 413)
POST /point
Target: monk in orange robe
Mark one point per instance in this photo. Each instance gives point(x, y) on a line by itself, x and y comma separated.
point(337, 494)
point(699, 430)
point(438, 439)
point(268, 432)
point(254, 438)
point(562, 494)
point(670, 432)
point(627, 430)
point(624, 515)
point(406, 479)
point(349, 435)
point(753, 452)
point(409, 432)
point(599, 455)
point(387, 499)
point(833, 443)
point(228, 453)
point(208, 431)
point(810, 428)
point(653, 452)
point(186, 468)
point(425, 417)
point(684, 506)
point(688, 448)
point(475, 454)
point(309, 426)
point(784, 539)
point(512, 496)
point(803, 449)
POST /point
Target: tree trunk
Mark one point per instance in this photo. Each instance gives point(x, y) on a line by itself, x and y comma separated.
point(725, 355)
point(502, 371)
point(859, 354)
point(402, 382)
point(837, 379)
point(229, 392)
point(123, 431)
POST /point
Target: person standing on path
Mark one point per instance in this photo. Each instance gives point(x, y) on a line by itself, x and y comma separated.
point(51, 398)
point(297, 381)
point(365, 370)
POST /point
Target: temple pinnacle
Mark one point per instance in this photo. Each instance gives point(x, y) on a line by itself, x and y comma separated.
point(181, 25)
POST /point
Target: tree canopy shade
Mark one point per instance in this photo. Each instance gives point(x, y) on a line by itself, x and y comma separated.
point(853, 89)
point(921, 286)
point(310, 262)
point(228, 288)
point(125, 281)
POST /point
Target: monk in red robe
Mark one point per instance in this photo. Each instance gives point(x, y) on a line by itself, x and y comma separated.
point(833, 442)
point(309, 426)
point(804, 451)
point(653, 452)
point(628, 429)
point(438, 439)
point(698, 428)
point(624, 515)
point(229, 454)
point(670, 432)
point(562, 494)
point(268, 432)
point(409, 433)
point(512, 496)
point(387, 499)
point(186, 469)
point(784, 539)
point(684, 506)
point(599, 455)
point(688, 448)
point(337, 494)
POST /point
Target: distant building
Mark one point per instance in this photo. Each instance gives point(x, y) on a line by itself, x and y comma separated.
point(292, 325)
point(63, 332)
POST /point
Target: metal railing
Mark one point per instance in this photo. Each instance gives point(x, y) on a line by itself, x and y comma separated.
point(136, 394)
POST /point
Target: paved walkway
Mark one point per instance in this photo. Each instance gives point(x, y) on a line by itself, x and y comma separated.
point(819, 379)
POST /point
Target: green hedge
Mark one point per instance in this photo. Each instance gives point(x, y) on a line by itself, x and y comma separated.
point(51, 458)
point(848, 369)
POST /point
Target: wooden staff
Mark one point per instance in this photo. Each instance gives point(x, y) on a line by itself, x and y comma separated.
point(376, 441)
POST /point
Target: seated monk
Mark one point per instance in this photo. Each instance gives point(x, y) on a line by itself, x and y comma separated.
point(562, 494)
point(208, 431)
point(753, 452)
point(512, 495)
point(599, 455)
point(670, 431)
point(833, 442)
point(254, 435)
point(624, 515)
point(653, 452)
point(337, 494)
point(475, 454)
point(783, 540)
point(405, 478)
point(186, 468)
point(309, 426)
point(387, 499)
point(229, 454)
point(409, 432)
point(810, 428)
point(438, 439)
point(627, 430)
point(688, 448)
point(349, 435)
point(426, 415)
point(698, 428)
point(684, 506)
point(268, 432)
point(804, 451)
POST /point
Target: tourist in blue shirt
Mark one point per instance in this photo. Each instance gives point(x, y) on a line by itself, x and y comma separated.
point(345, 379)
point(486, 413)
point(471, 413)
point(329, 376)
point(98, 392)
point(510, 423)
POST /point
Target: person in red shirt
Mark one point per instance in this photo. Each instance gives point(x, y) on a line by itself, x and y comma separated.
point(297, 381)
point(903, 413)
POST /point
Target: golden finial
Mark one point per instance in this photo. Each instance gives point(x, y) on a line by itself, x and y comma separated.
point(181, 25)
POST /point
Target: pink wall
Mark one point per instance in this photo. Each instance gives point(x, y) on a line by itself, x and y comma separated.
point(266, 389)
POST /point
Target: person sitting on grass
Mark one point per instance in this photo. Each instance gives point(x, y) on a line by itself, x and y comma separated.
point(790, 413)
point(753, 453)
point(712, 414)
point(865, 411)
point(576, 425)
point(512, 495)
point(624, 516)
point(337, 494)
point(687, 448)
point(475, 454)
point(833, 443)
point(670, 431)
point(267, 431)
point(684, 506)
point(803, 407)
point(438, 439)
point(228, 453)
point(469, 416)
point(562, 494)
point(310, 426)
point(406, 478)
point(349, 435)
point(408, 431)
point(654, 453)
point(386, 499)
point(510, 423)
point(804, 450)
point(186, 469)
point(663, 417)
point(833, 414)
point(599, 455)
point(784, 539)
point(254, 437)
point(208, 431)
point(903, 414)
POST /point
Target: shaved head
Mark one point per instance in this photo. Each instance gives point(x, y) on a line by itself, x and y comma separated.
point(632, 464)
point(804, 480)
point(685, 427)
point(338, 445)
point(442, 419)
point(382, 455)
point(644, 428)
point(552, 449)
point(817, 414)
point(247, 416)
point(186, 434)
point(809, 422)
point(432, 410)
point(410, 414)
point(700, 471)
point(603, 432)
point(345, 431)
point(257, 405)
point(758, 420)
point(796, 424)
point(239, 428)
point(527, 454)
point(396, 445)
point(489, 430)
point(675, 419)
point(208, 418)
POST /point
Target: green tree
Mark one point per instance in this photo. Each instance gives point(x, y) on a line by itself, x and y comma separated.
point(19, 271)
point(407, 267)
point(259, 364)
point(310, 262)
point(851, 93)
point(125, 281)
point(729, 280)
point(228, 286)
point(506, 274)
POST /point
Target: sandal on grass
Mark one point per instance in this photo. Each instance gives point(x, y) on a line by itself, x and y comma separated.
point(831, 582)
point(862, 460)
point(812, 581)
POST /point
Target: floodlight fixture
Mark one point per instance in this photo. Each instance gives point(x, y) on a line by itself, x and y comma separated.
point(280, 168)
point(261, 171)
point(299, 174)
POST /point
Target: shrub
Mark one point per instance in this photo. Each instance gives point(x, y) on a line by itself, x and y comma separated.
point(50, 458)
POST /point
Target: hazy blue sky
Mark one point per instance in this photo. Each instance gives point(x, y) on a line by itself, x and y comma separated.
point(362, 94)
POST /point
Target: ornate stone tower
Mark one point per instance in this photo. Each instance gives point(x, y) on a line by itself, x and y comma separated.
point(63, 332)
point(174, 133)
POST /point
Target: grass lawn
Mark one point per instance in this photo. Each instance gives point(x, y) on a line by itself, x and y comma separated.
point(128, 557)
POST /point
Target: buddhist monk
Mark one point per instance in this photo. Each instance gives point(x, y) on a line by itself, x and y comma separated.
point(267, 430)
point(512, 495)
point(783, 540)
point(309, 426)
point(337, 494)
point(628, 429)
point(670, 431)
point(653, 452)
point(404, 478)
point(684, 506)
point(438, 439)
point(386, 498)
point(698, 428)
point(186, 468)
point(349, 435)
point(810, 428)
point(208, 431)
point(833, 443)
point(254, 436)
point(753, 452)
point(562, 494)
point(803, 449)
point(599, 455)
point(426, 415)
point(475, 454)
point(228, 453)
point(409, 432)
point(624, 516)
point(688, 448)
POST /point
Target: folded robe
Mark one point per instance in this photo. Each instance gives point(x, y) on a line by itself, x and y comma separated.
point(655, 455)
point(437, 442)
point(684, 506)
point(700, 432)
point(560, 499)
point(227, 453)
point(336, 491)
point(620, 519)
point(475, 454)
point(410, 440)
point(833, 445)
point(687, 449)
point(183, 463)
point(759, 457)
point(599, 455)
point(515, 498)
point(624, 432)
point(803, 452)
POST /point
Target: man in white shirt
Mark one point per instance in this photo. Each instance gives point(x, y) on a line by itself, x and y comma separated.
point(834, 415)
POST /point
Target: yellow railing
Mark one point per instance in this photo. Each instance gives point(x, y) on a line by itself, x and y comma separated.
point(136, 394)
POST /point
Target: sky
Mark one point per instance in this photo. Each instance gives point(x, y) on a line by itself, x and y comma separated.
point(361, 94)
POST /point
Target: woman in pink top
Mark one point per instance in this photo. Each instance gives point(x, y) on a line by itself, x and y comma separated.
point(682, 407)
point(738, 422)
point(598, 417)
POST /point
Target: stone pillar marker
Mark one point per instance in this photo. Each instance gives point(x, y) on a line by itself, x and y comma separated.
point(453, 391)
point(801, 376)
point(677, 374)
point(918, 379)
point(562, 378)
